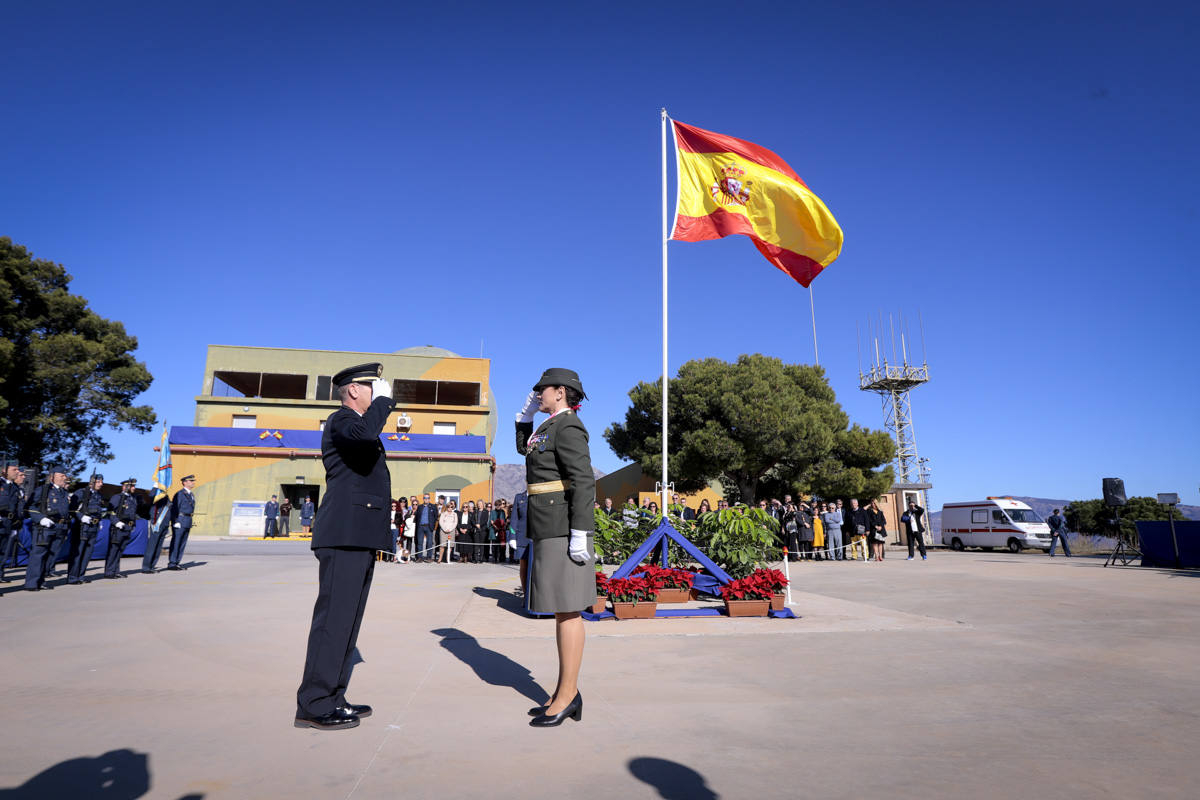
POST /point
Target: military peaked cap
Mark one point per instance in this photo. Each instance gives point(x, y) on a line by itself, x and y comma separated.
point(187, 478)
point(59, 468)
point(96, 476)
point(10, 463)
point(130, 481)
point(558, 376)
point(363, 372)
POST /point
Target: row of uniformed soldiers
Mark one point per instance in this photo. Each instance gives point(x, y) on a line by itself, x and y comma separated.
point(52, 510)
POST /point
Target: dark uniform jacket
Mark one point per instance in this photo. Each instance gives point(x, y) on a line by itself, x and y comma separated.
point(356, 507)
point(53, 502)
point(87, 503)
point(558, 451)
point(520, 518)
point(272, 509)
point(183, 505)
point(12, 504)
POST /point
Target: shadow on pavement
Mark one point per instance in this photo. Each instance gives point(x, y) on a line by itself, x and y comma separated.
point(673, 780)
point(505, 601)
point(491, 667)
point(116, 775)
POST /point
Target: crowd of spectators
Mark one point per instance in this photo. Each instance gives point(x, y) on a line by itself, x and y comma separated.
point(442, 532)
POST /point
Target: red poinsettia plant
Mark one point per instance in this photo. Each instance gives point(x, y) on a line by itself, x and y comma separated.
point(634, 589)
point(665, 578)
point(601, 583)
point(754, 586)
point(773, 578)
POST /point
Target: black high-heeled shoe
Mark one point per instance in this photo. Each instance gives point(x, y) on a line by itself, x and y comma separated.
point(537, 711)
point(574, 710)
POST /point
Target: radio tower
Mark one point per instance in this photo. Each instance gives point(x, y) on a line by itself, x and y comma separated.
point(893, 381)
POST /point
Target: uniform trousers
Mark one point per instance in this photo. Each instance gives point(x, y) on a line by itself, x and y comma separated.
point(47, 542)
point(179, 537)
point(82, 553)
point(154, 543)
point(117, 539)
point(9, 539)
point(271, 528)
point(345, 581)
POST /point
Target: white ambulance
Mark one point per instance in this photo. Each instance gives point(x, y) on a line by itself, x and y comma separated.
point(995, 522)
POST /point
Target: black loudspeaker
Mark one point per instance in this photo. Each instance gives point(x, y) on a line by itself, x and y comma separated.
point(1114, 492)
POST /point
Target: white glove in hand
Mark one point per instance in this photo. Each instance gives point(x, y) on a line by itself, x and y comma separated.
point(120, 526)
point(85, 519)
point(178, 524)
point(577, 547)
point(46, 522)
point(380, 388)
point(528, 411)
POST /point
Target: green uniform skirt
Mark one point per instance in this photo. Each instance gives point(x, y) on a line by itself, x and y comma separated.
point(559, 585)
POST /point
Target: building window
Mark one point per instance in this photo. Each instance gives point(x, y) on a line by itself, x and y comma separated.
point(325, 387)
point(259, 384)
point(435, 393)
point(245, 421)
point(444, 428)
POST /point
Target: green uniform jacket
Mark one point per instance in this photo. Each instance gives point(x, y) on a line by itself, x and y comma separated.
point(558, 451)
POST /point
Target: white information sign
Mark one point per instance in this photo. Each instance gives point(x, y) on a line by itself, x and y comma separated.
point(247, 518)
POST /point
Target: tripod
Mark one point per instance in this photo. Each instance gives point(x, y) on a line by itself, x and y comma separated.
point(1125, 552)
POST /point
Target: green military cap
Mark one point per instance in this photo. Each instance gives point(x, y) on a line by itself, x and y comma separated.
point(559, 376)
point(363, 372)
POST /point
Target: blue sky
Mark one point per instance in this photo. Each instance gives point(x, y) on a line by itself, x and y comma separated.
point(486, 177)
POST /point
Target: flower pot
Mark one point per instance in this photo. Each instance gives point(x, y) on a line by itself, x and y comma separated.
point(674, 595)
point(598, 606)
point(642, 610)
point(777, 601)
point(747, 608)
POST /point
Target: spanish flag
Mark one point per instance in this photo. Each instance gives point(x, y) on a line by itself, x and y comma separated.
point(729, 186)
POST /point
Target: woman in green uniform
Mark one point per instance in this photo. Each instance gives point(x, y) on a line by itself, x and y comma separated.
point(562, 492)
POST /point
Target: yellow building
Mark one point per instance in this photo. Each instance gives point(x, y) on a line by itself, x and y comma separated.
point(259, 418)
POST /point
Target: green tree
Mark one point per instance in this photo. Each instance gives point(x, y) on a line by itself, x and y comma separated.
point(66, 373)
point(1095, 518)
point(752, 424)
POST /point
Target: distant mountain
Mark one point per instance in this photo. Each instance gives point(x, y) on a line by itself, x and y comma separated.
point(1045, 507)
point(510, 479)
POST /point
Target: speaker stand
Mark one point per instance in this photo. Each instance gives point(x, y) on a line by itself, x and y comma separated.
point(1124, 551)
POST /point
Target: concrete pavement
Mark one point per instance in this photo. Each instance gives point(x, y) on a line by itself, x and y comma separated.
point(970, 675)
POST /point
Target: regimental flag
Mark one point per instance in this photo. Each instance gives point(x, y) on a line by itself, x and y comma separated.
point(730, 186)
point(162, 482)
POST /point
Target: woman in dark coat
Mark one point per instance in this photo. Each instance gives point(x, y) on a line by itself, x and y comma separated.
point(877, 530)
point(562, 494)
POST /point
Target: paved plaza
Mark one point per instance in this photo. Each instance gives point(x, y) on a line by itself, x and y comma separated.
point(972, 675)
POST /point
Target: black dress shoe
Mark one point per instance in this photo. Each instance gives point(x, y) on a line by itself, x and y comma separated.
point(336, 720)
point(358, 711)
point(574, 710)
point(174, 568)
point(73, 581)
point(150, 571)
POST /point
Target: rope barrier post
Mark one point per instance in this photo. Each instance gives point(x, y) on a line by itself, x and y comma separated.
point(787, 573)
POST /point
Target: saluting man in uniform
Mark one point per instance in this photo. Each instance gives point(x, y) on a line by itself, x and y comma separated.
point(12, 512)
point(353, 522)
point(183, 505)
point(561, 522)
point(89, 508)
point(49, 509)
point(124, 510)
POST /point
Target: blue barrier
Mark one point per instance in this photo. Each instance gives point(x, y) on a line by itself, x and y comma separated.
point(1158, 548)
point(136, 545)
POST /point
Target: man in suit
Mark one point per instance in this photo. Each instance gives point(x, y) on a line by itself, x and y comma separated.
point(352, 523)
point(49, 509)
point(90, 509)
point(272, 512)
point(913, 527)
point(124, 511)
point(183, 505)
point(12, 512)
point(426, 516)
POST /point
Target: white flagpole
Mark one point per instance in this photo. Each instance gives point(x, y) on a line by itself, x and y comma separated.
point(663, 506)
point(813, 313)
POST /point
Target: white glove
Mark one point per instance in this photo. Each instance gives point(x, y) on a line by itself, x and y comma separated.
point(178, 524)
point(120, 526)
point(380, 388)
point(85, 519)
point(528, 411)
point(577, 547)
point(46, 522)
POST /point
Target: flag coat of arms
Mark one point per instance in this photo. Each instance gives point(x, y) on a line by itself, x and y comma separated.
point(730, 186)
